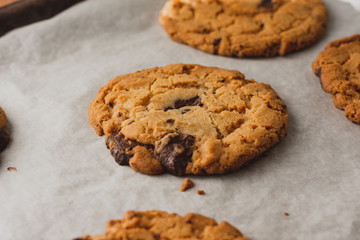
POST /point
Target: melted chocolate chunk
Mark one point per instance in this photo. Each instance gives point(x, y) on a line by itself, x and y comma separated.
point(176, 153)
point(187, 69)
point(195, 101)
point(173, 155)
point(170, 121)
point(4, 139)
point(185, 111)
point(266, 4)
point(122, 148)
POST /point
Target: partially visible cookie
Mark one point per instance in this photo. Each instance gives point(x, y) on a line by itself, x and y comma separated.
point(158, 225)
point(187, 119)
point(245, 28)
point(4, 134)
point(338, 68)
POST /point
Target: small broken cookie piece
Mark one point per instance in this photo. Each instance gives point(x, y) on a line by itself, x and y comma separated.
point(338, 67)
point(143, 162)
point(186, 185)
point(4, 134)
point(200, 192)
point(158, 225)
point(187, 119)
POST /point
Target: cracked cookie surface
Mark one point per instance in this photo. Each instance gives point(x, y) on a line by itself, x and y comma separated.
point(187, 119)
point(158, 225)
point(338, 68)
point(245, 28)
point(4, 134)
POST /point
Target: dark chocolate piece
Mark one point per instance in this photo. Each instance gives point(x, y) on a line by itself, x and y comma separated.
point(122, 148)
point(170, 120)
point(195, 101)
point(176, 153)
point(266, 4)
point(185, 111)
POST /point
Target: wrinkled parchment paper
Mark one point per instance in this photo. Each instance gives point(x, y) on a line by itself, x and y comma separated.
point(67, 183)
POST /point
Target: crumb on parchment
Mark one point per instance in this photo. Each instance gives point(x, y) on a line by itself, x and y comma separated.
point(200, 192)
point(186, 184)
point(11, 169)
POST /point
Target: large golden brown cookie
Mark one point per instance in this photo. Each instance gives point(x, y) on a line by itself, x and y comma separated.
point(338, 68)
point(4, 134)
point(187, 119)
point(245, 28)
point(157, 225)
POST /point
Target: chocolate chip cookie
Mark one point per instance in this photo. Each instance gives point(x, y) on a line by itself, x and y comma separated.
point(338, 68)
point(245, 28)
point(187, 119)
point(157, 225)
point(4, 134)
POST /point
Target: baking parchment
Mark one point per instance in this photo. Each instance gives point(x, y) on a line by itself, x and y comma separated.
point(67, 184)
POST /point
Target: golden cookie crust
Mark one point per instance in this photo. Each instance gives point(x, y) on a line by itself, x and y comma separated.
point(187, 119)
point(338, 67)
point(4, 134)
point(245, 28)
point(158, 225)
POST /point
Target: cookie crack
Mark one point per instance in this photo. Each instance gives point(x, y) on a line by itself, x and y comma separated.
point(219, 135)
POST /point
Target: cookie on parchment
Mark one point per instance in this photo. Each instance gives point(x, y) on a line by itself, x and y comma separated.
point(158, 225)
point(338, 68)
point(245, 28)
point(4, 134)
point(187, 119)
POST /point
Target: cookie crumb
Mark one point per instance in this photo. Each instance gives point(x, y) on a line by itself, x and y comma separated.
point(200, 192)
point(186, 184)
point(286, 214)
point(11, 169)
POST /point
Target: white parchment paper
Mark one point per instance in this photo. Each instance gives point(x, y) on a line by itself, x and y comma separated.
point(67, 183)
